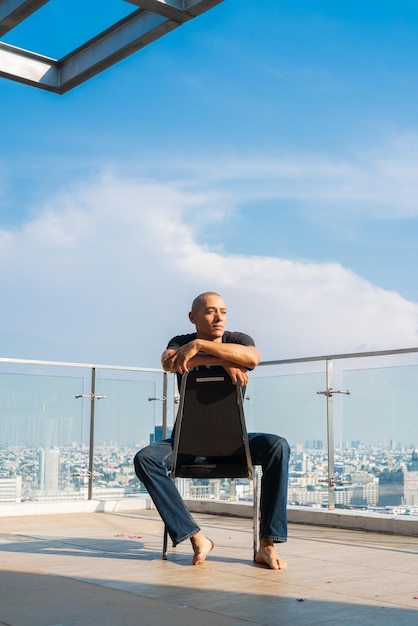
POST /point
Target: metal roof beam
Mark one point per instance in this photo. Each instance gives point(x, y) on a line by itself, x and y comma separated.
point(197, 7)
point(132, 33)
point(181, 10)
point(153, 20)
point(13, 12)
point(173, 9)
point(28, 67)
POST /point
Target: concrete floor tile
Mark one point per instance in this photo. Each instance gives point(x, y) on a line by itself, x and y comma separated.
point(405, 599)
point(379, 588)
point(334, 576)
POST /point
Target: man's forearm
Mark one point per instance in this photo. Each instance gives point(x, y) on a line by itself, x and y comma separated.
point(243, 356)
point(204, 359)
point(204, 352)
point(169, 365)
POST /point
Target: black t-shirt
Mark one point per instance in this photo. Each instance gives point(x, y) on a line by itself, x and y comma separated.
point(228, 337)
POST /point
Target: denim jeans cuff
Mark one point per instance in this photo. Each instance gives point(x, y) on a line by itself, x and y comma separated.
point(191, 534)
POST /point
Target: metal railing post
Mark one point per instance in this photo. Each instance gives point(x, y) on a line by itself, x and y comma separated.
point(91, 444)
point(164, 418)
point(330, 438)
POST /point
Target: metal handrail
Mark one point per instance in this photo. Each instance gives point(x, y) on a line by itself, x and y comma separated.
point(305, 359)
point(348, 355)
point(131, 368)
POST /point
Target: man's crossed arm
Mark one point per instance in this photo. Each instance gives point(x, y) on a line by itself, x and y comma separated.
point(235, 358)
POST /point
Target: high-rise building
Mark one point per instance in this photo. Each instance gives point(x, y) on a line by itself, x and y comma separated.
point(413, 463)
point(157, 435)
point(411, 488)
point(48, 470)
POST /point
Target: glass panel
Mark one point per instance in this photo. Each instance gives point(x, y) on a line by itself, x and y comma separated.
point(124, 423)
point(289, 405)
point(41, 434)
point(377, 449)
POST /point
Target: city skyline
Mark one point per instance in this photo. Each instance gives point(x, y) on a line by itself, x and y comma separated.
point(366, 477)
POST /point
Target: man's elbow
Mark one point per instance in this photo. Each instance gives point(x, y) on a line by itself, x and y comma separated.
point(254, 359)
point(167, 360)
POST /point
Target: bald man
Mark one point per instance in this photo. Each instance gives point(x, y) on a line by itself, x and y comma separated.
point(235, 352)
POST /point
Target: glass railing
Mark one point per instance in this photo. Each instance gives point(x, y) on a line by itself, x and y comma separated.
point(283, 399)
point(352, 423)
point(70, 431)
point(377, 441)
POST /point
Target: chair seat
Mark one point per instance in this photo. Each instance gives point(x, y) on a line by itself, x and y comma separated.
point(213, 470)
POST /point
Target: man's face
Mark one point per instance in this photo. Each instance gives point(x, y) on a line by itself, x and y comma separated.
point(210, 318)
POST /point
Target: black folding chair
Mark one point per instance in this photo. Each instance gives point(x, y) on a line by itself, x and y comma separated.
point(210, 439)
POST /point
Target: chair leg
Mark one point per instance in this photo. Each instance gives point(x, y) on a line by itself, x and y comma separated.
point(256, 511)
point(165, 540)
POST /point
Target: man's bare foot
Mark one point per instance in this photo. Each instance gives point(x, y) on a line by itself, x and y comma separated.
point(268, 556)
point(201, 547)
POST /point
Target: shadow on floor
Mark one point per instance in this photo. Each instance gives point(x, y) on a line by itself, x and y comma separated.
point(31, 599)
point(119, 547)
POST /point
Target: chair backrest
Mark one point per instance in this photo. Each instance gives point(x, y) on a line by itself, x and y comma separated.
point(210, 423)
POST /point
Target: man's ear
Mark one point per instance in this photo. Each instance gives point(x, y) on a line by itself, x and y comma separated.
point(191, 317)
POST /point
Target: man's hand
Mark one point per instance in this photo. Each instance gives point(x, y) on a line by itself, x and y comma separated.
point(184, 358)
point(237, 373)
point(178, 360)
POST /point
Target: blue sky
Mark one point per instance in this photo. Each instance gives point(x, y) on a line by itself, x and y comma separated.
point(268, 150)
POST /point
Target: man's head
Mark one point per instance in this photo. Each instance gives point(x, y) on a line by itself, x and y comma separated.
point(208, 314)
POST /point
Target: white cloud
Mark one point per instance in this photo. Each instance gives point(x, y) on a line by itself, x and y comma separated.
point(372, 183)
point(106, 273)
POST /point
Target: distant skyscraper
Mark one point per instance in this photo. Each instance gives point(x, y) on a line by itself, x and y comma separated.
point(157, 435)
point(411, 488)
point(49, 470)
point(413, 464)
point(41, 469)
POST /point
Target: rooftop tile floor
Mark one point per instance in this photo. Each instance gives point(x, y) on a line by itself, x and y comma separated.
point(94, 569)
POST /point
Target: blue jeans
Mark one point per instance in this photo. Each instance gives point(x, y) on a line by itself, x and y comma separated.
point(153, 464)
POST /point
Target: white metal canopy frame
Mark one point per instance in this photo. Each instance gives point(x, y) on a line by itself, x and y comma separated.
point(150, 20)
